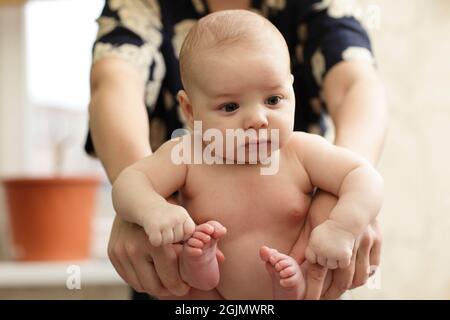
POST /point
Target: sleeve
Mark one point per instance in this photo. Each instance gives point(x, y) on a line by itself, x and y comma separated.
point(333, 32)
point(132, 30)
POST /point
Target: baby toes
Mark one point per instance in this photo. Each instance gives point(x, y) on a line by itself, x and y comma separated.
point(276, 257)
point(287, 272)
point(219, 229)
point(205, 228)
point(195, 243)
point(280, 265)
point(289, 282)
point(265, 253)
point(192, 251)
point(201, 236)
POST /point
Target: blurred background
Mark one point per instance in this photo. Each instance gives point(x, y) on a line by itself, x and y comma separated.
point(45, 56)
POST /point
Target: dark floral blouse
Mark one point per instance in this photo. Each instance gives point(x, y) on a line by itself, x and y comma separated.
point(149, 34)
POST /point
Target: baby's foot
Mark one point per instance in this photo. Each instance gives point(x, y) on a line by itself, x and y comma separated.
point(287, 279)
point(198, 262)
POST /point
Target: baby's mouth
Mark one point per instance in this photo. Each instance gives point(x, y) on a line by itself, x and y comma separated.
point(256, 143)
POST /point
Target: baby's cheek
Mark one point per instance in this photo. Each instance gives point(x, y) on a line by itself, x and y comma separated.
point(283, 136)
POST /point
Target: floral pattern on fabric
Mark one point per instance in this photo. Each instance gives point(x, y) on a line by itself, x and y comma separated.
point(149, 34)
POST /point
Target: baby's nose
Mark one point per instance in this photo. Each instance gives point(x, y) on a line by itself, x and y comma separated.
point(256, 119)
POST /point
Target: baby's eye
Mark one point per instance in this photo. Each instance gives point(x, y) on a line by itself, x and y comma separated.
point(230, 107)
point(273, 100)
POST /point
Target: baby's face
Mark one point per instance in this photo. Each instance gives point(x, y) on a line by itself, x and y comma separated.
point(243, 88)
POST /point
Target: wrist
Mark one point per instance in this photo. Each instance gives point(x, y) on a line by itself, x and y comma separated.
point(346, 225)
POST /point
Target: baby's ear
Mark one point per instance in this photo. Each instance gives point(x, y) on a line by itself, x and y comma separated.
point(292, 78)
point(186, 108)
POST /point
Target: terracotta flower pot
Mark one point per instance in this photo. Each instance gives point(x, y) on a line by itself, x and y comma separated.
point(51, 217)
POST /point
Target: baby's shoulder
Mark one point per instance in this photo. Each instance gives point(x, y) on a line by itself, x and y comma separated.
point(303, 140)
point(174, 144)
point(175, 150)
point(304, 144)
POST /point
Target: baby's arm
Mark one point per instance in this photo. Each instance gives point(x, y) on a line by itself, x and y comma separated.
point(139, 195)
point(359, 189)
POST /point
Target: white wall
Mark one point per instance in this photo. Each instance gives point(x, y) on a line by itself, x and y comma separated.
point(12, 103)
point(413, 49)
point(12, 90)
point(30, 123)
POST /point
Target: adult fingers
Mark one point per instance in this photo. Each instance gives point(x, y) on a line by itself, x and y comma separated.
point(147, 276)
point(375, 251)
point(130, 273)
point(342, 281)
point(362, 263)
point(315, 277)
point(165, 260)
point(375, 256)
point(118, 266)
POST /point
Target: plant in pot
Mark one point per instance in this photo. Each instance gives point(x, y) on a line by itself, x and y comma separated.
point(51, 216)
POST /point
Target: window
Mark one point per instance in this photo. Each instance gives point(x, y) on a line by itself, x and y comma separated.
point(59, 37)
point(58, 42)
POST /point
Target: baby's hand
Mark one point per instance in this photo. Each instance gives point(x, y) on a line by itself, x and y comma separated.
point(330, 245)
point(167, 224)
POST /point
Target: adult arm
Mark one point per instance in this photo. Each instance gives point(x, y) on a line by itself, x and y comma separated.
point(120, 136)
point(356, 103)
point(338, 62)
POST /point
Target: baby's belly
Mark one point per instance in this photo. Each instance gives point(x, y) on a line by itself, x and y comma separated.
point(269, 213)
point(243, 274)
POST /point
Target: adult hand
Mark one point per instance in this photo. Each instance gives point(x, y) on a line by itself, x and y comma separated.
point(365, 260)
point(366, 254)
point(145, 268)
point(149, 269)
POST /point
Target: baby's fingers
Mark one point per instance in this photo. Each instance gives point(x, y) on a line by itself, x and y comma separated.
point(178, 233)
point(322, 260)
point(189, 228)
point(155, 238)
point(167, 236)
point(310, 255)
point(345, 262)
point(332, 264)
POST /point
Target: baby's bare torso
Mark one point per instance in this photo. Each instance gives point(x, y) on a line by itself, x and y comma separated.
point(257, 210)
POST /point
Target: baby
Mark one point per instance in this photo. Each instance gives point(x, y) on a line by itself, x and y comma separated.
point(235, 70)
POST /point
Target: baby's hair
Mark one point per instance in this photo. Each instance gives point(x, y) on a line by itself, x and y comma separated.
point(220, 29)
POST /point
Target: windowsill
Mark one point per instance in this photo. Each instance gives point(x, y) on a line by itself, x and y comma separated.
point(95, 272)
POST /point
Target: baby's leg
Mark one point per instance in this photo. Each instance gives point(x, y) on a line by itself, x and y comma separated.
point(288, 282)
point(198, 262)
